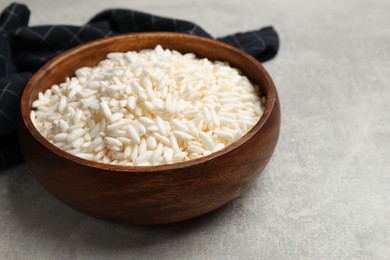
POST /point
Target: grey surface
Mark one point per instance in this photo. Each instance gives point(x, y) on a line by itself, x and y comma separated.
point(325, 193)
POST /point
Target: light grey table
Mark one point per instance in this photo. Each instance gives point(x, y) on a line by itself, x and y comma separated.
point(325, 193)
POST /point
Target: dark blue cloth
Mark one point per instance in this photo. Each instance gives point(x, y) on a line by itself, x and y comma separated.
point(24, 49)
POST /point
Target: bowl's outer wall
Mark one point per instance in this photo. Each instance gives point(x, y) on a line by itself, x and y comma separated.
point(155, 197)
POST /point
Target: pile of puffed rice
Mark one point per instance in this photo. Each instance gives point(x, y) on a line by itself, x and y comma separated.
point(148, 108)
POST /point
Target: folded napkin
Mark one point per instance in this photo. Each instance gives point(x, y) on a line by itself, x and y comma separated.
point(24, 49)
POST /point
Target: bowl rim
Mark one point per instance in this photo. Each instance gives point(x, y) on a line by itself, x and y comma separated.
point(40, 74)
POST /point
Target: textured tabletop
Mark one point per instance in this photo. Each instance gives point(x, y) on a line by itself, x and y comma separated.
point(324, 195)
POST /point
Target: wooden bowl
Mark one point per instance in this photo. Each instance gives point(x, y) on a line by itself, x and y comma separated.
point(153, 194)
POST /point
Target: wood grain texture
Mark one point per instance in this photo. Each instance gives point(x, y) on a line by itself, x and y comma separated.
point(154, 194)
